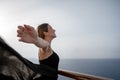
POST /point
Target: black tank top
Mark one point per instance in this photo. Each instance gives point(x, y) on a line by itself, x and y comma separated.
point(52, 61)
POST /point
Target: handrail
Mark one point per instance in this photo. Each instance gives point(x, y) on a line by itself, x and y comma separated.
point(80, 76)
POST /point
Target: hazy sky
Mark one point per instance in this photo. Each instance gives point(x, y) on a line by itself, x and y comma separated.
point(84, 28)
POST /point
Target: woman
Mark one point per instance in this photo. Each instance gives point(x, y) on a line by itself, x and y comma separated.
point(42, 40)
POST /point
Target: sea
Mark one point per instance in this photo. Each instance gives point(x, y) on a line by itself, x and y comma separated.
point(109, 68)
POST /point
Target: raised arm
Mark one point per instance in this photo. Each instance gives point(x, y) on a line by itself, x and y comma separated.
point(28, 34)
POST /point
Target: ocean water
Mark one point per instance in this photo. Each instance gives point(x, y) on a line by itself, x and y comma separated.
point(100, 67)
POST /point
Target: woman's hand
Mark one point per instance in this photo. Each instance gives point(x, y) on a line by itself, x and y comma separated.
point(27, 34)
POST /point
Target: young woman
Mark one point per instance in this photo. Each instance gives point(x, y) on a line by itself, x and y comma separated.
point(42, 38)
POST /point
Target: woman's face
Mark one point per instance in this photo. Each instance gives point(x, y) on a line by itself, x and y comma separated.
point(51, 32)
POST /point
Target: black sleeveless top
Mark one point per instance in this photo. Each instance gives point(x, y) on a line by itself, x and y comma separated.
point(52, 61)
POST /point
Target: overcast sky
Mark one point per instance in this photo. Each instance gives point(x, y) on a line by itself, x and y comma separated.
point(84, 28)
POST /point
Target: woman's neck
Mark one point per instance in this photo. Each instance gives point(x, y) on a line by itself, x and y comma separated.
point(49, 40)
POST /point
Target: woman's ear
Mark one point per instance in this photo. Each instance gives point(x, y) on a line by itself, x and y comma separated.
point(45, 33)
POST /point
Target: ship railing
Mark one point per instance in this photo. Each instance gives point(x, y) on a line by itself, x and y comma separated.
point(80, 76)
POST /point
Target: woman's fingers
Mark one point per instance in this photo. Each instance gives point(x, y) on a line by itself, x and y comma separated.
point(28, 27)
point(21, 28)
point(19, 33)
